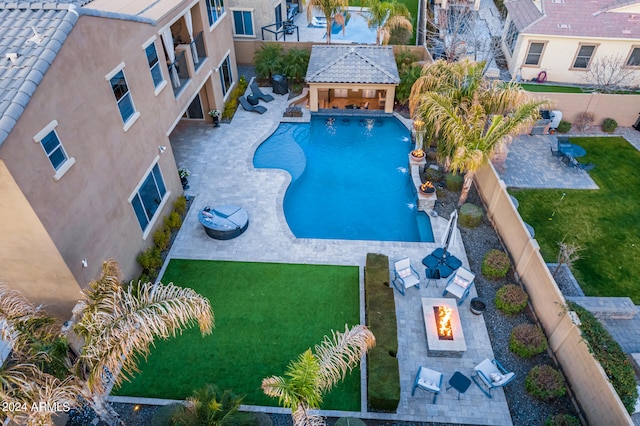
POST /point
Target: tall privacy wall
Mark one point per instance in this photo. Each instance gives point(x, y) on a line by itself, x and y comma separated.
point(596, 396)
point(622, 108)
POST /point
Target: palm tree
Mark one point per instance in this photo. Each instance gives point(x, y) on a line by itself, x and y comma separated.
point(120, 323)
point(295, 64)
point(37, 368)
point(386, 17)
point(471, 116)
point(210, 407)
point(332, 11)
point(313, 374)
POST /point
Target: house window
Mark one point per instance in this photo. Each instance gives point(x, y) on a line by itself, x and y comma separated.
point(583, 58)
point(243, 22)
point(123, 97)
point(535, 54)
point(278, 16)
point(634, 58)
point(53, 149)
point(149, 196)
point(215, 9)
point(154, 64)
point(511, 37)
point(226, 78)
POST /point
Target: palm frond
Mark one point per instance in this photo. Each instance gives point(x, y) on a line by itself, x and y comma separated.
point(342, 352)
point(60, 395)
point(301, 417)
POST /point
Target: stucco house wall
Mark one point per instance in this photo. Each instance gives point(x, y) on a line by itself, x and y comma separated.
point(86, 213)
point(263, 14)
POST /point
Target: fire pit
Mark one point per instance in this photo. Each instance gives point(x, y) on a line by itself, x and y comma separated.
point(443, 327)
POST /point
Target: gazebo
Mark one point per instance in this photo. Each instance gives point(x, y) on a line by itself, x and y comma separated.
point(352, 76)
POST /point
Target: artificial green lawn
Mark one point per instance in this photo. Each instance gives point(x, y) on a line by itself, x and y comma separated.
point(550, 88)
point(605, 222)
point(266, 314)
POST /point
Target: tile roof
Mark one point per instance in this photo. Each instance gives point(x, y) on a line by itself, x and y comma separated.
point(21, 75)
point(352, 64)
point(575, 18)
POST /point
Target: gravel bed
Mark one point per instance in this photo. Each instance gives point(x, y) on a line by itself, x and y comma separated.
point(524, 409)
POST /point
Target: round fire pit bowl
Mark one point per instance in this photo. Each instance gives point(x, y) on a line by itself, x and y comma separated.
point(477, 305)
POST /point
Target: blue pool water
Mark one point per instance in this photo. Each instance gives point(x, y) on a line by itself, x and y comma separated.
point(356, 30)
point(349, 179)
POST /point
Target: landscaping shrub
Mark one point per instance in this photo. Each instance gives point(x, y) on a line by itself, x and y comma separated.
point(585, 119)
point(180, 205)
point(432, 174)
point(383, 385)
point(545, 382)
point(511, 299)
point(610, 355)
point(150, 260)
point(161, 238)
point(495, 264)
point(453, 182)
point(295, 63)
point(609, 125)
point(231, 105)
point(162, 416)
point(268, 60)
point(470, 215)
point(562, 420)
point(564, 126)
point(527, 340)
point(173, 221)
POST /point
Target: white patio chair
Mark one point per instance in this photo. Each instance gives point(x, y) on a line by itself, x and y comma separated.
point(428, 380)
point(459, 284)
point(490, 374)
point(405, 276)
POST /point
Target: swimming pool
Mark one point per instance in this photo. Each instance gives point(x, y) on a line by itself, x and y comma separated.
point(356, 29)
point(349, 179)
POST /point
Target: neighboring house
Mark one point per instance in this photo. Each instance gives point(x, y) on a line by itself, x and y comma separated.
point(90, 93)
point(564, 38)
point(250, 17)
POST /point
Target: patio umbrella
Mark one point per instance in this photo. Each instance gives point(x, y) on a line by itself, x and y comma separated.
point(449, 235)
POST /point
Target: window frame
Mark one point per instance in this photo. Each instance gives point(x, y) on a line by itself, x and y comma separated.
point(626, 62)
point(161, 84)
point(226, 63)
point(135, 195)
point(527, 53)
point(128, 122)
point(575, 57)
point(219, 5)
point(63, 167)
point(243, 11)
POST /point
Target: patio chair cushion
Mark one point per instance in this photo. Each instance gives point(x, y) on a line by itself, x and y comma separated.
point(403, 273)
point(503, 379)
point(428, 384)
point(461, 282)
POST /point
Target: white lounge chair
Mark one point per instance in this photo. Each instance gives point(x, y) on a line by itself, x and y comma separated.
point(405, 276)
point(459, 284)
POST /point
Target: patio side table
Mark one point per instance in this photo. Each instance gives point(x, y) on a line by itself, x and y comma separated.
point(459, 382)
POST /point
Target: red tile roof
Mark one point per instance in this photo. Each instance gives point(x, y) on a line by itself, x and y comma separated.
point(575, 18)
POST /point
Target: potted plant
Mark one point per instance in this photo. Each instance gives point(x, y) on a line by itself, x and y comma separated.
point(215, 114)
point(418, 153)
point(184, 174)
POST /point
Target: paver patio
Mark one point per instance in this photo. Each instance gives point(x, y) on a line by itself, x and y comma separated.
point(222, 172)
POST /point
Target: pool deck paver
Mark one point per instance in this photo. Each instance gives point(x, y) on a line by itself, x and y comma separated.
point(222, 172)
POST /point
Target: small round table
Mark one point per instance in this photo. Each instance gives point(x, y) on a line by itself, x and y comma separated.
point(253, 100)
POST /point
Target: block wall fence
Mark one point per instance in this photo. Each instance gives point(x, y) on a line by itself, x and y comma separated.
point(593, 391)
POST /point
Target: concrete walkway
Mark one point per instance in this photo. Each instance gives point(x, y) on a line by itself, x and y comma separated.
point(220, 162)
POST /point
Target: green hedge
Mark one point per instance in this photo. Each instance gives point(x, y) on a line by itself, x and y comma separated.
point(610, 355)
point(383, 385)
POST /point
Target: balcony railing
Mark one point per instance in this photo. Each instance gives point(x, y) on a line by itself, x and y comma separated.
point(201, 52)
point(179, 73)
